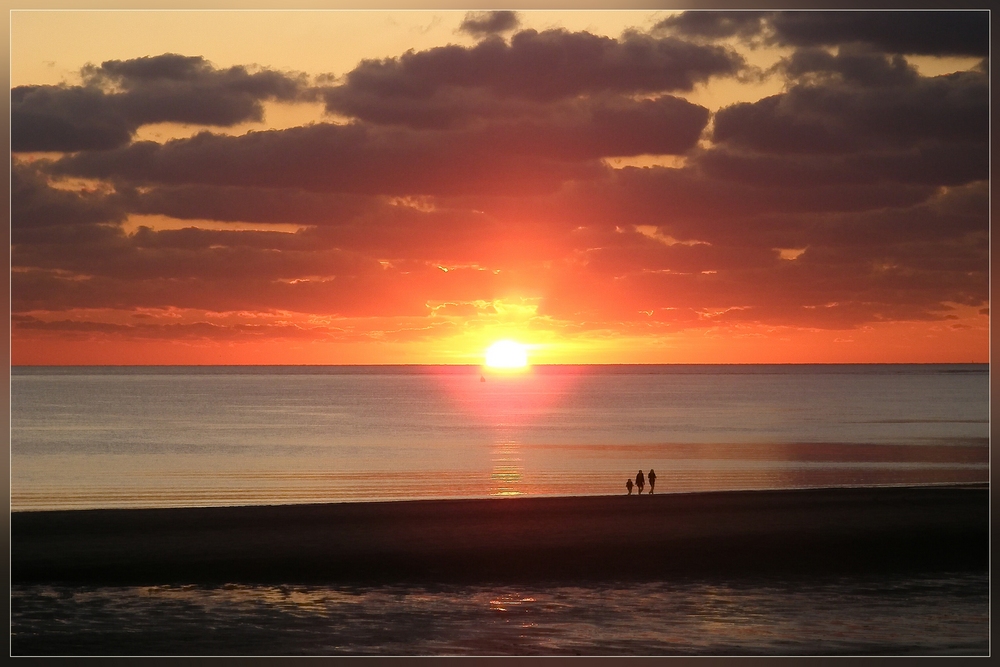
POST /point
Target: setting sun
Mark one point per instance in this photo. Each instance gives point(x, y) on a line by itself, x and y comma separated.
point(507, 354)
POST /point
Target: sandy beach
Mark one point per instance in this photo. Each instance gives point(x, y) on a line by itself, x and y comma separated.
point(611, 537)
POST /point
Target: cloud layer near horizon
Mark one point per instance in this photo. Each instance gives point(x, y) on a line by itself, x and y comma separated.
point(451, 181)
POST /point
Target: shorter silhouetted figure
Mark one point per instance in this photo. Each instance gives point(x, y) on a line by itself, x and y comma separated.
point(628, 485)
point(640, 481)
point(652, 480)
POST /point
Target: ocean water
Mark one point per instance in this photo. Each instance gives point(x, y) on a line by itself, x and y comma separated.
point(166, 437)
point(194, 436)
point(932, 614)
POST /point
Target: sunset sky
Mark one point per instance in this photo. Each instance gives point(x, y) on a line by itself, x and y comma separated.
point(351, 187)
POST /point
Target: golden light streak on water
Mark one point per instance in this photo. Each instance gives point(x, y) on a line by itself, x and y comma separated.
point(507, 469)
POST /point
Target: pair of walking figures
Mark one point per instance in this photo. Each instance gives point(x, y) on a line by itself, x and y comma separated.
point(640, 482)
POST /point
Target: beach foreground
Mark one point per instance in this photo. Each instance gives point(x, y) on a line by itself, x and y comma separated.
point(559, 539)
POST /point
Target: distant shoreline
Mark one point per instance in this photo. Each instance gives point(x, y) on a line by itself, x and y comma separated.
point(860, 529)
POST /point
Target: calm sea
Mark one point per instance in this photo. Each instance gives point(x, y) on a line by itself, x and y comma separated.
point(186, 436)
point(189, 436)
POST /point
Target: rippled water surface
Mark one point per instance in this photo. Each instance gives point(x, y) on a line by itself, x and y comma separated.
point(183, 436)
point(901, 615)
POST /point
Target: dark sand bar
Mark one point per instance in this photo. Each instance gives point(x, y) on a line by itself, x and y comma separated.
point(564, 539)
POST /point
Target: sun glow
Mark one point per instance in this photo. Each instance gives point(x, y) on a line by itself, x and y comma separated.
point(506, 354)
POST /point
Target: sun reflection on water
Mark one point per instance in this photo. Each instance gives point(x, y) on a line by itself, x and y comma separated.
point(507, 601)
point(507, 469)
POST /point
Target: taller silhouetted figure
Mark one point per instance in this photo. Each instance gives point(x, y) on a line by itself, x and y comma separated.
point(640, 481)
point(652, 480)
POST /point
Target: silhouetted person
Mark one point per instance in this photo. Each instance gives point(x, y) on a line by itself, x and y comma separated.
point(628, 485)
point(640, 481)
point(652, 480)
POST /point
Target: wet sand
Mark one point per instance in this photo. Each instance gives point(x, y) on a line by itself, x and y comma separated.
point(564, 539)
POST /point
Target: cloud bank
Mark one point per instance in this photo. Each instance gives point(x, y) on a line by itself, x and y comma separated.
point(450, 181)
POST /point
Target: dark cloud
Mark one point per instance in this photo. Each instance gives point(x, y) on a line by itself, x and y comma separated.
point(213, 240)
point(468, 109)
point(910, 32)
point(873, 263)
point(376, 293)
point(955, 217)
point(66, 118)
point(188, 89)
point(850, 65)
point(534, 66)
point(696, 206)
point(690, 207)
point(666, 125)
point(906, 262)
point(523, 155)
point(941, 33)
point(168, 254)
point(880, 262)
point(621, 253)
point(185, 331)
point(825, 292)
point(77, 329)
point(443, 108)
point(839, 117)
point(245, 204)
point(119, 96)
point(930, 163)
point(39, 211)
point(478, 24)
point(334, 158)
point(714, 24)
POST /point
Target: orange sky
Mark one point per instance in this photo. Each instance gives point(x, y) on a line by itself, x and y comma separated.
point(409, 187)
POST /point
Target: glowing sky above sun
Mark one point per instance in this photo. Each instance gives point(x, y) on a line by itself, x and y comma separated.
point(414, 186)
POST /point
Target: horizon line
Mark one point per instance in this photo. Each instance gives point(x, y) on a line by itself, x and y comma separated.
point(481, 365)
